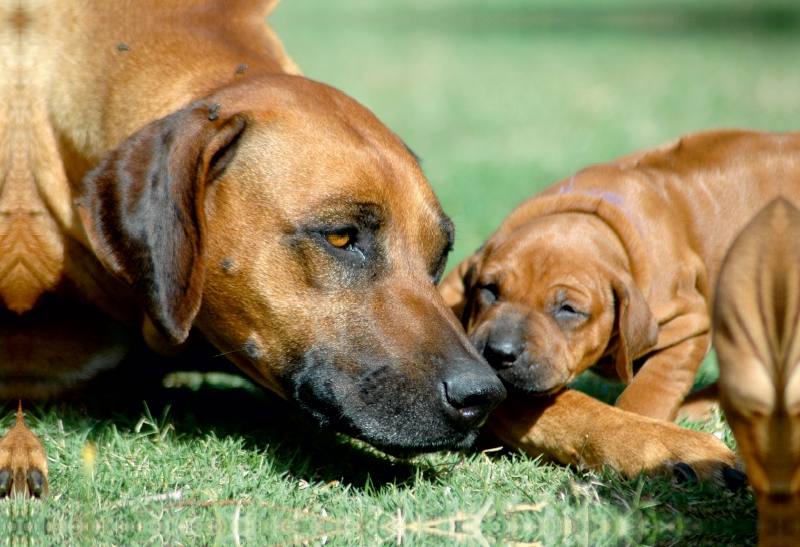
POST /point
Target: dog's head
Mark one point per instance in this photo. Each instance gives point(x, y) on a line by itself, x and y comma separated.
point(548, 299)
point(757, 338)
point(299, 235)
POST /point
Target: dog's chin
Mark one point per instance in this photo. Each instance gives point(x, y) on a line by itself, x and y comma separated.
point(403, 442)
point(461, 442)
point(530, 380)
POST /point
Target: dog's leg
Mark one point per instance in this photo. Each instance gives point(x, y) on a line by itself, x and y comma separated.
point(757, 336)
point(574, 428)
point(659, 387)
point(23, 463)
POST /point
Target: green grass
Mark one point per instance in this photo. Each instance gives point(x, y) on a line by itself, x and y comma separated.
point(500, 99)
point(207, 471)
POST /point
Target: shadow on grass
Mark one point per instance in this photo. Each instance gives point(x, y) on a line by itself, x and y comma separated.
point(214, 398)
point(208, 394)
point(632, 512)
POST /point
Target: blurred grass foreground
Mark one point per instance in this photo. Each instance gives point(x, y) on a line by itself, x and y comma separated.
point(500, 99)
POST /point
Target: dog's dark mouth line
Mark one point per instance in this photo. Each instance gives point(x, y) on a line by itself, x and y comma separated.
point(416, 450)
point(520, 390)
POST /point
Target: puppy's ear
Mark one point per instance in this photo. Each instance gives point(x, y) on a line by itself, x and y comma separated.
point(638, 329)
point(142, 209)
point(455, 286)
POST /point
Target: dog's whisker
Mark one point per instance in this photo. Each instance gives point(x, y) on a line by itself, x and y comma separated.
point(229, 352)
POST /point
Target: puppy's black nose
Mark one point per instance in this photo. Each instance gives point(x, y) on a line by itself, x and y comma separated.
point(472, 392)
point(502, 353)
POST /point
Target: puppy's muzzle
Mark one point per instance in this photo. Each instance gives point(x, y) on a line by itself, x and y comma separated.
point(501, 340)
point(502, 352)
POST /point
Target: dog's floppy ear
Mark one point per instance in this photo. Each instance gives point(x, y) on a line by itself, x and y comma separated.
point(455, 286)
point(638, 329)
point(142, 209)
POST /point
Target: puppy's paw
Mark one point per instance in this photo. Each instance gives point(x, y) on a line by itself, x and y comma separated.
point(23, 463)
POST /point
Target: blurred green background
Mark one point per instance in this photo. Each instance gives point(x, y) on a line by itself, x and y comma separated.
point(502, 98)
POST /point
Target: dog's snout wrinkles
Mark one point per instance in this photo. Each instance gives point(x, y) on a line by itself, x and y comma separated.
point(473, 392)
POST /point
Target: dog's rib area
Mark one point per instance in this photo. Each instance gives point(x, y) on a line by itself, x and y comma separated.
point(35, 204)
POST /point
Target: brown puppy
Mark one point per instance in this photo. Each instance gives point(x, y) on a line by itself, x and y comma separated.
point(615, 268)
point(164, 170)
point(757, 336)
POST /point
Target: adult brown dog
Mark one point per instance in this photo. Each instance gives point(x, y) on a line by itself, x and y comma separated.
point(164, 170)
point(615, 268)
point(757, 337)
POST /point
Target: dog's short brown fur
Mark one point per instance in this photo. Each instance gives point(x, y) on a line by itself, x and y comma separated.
point(757, 337)
point(23, 463)
point(164, 169)
point(615, 268)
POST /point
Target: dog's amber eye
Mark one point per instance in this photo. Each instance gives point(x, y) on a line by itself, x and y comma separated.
point(338, 240)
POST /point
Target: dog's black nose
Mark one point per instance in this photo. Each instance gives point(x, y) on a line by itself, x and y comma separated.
point(473, 392)
point(502, 353)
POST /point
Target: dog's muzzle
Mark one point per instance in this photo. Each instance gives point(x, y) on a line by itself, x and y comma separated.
point(401, 408)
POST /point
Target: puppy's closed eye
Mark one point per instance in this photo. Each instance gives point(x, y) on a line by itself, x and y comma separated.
point(566, 312)
point(489, 292)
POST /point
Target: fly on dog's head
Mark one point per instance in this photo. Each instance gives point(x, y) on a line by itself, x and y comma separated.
point(315, 244)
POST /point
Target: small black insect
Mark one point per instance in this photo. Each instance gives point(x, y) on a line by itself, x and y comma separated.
point(214, 107)
point(214, 116)
point(123, 47)
point(240, 69)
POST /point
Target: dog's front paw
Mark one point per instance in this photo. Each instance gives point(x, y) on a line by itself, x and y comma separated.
point(663, 447)
point(23, 463)
point(576, 429)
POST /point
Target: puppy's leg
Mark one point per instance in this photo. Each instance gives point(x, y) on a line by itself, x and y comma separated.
point(574, 428)
point(659, 387)
point(23, 463)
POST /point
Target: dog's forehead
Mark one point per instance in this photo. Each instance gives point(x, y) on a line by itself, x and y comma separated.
point(533, 242)
point(306, 161)
point(551, 237)
point(539, 258)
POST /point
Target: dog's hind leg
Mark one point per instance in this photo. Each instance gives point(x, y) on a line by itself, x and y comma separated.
point(23, 463)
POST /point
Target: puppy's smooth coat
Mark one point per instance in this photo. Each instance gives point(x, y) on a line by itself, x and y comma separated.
point(615, 268)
